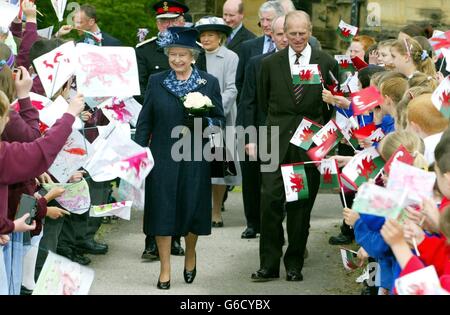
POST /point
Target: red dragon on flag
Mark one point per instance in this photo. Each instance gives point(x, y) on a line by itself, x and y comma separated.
point(306, 134)
point(367, 167)
point(327, 176)
point(445, 99)
point(306, 75)
point(297, 182)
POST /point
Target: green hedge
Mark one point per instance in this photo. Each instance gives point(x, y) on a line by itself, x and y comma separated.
point(119, 18)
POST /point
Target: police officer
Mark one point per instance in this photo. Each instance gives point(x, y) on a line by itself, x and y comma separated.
point(151, 59)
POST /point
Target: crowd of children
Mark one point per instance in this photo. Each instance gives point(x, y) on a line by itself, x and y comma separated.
point(407, 72)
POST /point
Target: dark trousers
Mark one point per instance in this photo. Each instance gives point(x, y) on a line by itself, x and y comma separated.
point(49, 242)
point(251, 193)
point(297, 215)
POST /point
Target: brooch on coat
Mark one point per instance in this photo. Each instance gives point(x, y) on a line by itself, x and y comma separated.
point(202, 81)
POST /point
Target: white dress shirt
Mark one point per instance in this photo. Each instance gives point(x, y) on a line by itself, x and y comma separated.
point(303, 60)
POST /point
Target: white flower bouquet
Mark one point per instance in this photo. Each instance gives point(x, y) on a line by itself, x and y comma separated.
point(197, 104)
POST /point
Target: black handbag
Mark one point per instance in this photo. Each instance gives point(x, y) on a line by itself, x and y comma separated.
point(223, 167)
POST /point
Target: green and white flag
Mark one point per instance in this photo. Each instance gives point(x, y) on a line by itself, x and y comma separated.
point(346, 31)
point(364, 166)
point(331, 128)
point(295, 182)
point(309, 74)
point(345, 63)
point(329, 174)
point(303, 135)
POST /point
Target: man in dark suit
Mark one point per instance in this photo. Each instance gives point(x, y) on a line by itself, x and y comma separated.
point(253, 116)
point(286, 105)
point(233, 14)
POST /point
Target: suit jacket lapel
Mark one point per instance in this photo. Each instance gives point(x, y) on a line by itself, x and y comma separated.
point(286, 71)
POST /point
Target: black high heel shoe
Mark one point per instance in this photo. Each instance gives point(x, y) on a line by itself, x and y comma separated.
point(163, 285)
point(189, 276)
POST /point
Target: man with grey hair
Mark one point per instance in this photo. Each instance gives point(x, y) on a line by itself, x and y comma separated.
point(253, 116)
point(286, 104)
point(233, 14)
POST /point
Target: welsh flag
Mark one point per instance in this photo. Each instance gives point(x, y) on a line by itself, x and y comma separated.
point(441, 97)
point(364, 132)
point(348, 125)
point(334, 87)
point(377, 136)
point(365, 100)
point(303, 135)
point(309, 74)
point(358, 63)
point(346, 31)
point(345, 63)
point(364, 166)
point(319, 152)
point(349, 259)
point(329, 174)
point(295, 182)
point(330, 129)
point(402, 155)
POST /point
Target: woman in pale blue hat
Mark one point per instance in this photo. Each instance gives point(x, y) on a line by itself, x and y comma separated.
point(222, 63)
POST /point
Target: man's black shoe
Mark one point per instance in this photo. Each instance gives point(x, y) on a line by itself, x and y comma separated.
point(248, 233)
point(176, 248)
point(81, 259)
point(263, 275)
point(92, 247)
point(341, 239)
point(294, 275)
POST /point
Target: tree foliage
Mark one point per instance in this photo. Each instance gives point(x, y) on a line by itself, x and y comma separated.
point(119, 18)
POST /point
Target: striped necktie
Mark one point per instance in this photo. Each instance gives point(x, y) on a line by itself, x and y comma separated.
point(298, 88)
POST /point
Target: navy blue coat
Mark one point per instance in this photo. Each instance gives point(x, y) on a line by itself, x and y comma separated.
point(177, 194)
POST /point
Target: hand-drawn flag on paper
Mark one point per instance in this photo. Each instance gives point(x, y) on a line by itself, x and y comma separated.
point(329, 172)
point(107, 71)
point(76, 197)
point(402, 155)
point(440, 41)
point(118, 156)
point(365, 100)
point(121, 209)
point(61, 276)
point(122, 110)
point(417, 182)
point(345, 63)
point(441, 97)
point(72, 157)
point(54, 111)
point(424, 281)
point(330, 129)
point(362, 167)
point(349, 259)
point(295, 182)
point(60, 7)
point(346, 31)
point(319, 152)
point(379, 201)
point(309, 74)
point(56, 67)
point(93, 102)
point(303, 135)
point(358, 63)
point(8, 13)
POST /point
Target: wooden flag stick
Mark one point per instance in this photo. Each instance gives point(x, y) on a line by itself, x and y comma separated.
point(415, 247)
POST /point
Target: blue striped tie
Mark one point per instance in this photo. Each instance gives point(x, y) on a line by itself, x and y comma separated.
point(298, 88)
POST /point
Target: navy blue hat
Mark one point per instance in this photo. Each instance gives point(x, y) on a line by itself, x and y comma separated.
point(177, 36)
point(169, 9)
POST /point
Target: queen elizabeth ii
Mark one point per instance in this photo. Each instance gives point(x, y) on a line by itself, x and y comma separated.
point(178, 193)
